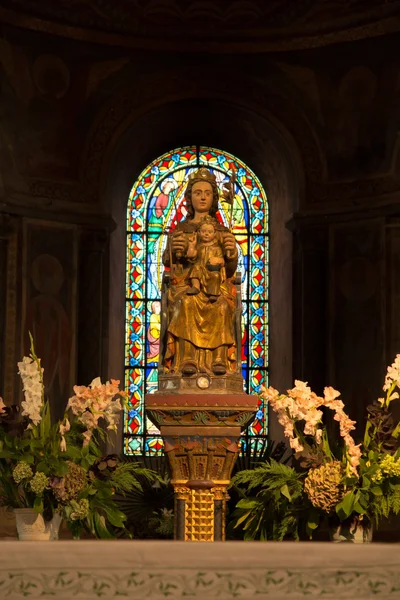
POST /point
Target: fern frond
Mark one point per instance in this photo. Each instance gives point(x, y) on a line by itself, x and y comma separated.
point(125, 477)
point(394, 503)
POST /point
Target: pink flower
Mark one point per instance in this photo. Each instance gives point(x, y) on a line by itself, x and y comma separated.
point(295, 445)
point(95, 402)
point(87, 437)
point(393, 374)
point(353, 453)
point(318, 436)
point(64, 427)
point(330, 394)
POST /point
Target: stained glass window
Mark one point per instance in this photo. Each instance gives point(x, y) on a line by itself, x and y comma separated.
point(156, 204)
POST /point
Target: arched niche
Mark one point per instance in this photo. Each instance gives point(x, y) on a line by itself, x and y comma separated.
point(254, 139)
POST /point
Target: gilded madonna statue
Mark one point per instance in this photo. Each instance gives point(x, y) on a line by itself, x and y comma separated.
point(200, 329)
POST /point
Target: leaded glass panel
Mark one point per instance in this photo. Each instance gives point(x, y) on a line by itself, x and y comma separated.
point(156, 204)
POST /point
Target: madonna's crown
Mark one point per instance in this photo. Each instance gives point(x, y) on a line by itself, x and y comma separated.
point(202, 174)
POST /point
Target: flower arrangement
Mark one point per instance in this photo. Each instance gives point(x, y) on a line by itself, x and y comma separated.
point(336, 478)
point(59, 468)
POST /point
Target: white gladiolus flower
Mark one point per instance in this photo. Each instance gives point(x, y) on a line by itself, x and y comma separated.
point(31, 376)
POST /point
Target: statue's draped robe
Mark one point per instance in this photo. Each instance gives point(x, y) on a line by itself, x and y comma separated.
point(199, 331)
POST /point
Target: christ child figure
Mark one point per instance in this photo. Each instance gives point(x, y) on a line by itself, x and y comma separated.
point(208, 272)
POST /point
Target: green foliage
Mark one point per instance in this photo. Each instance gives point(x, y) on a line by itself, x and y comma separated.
point(375, 494)
point(128, 476)
point(149, 510)
point(60, 467)
point(259, 452)
point(273, 504)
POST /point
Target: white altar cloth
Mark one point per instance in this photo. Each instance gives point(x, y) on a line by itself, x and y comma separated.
point(85, 570)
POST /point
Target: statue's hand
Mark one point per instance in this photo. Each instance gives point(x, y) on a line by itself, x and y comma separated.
point(179, 244)
point(229, 244)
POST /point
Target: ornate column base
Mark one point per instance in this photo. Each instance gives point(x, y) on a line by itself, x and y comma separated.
point(201, 467)
point(201, 439)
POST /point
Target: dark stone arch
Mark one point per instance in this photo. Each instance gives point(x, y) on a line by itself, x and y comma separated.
point(255, 141)
point(252, 95)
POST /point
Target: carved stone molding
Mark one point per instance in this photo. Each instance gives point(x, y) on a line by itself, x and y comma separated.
point(230, 26)
point(63, 192)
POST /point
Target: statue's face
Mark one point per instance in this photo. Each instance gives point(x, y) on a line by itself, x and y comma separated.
point(207, 232)
point(202, 196)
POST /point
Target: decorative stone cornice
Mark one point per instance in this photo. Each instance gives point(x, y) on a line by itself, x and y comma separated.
point(231, 26)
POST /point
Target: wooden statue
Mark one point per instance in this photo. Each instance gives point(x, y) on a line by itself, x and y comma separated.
point(201, 304)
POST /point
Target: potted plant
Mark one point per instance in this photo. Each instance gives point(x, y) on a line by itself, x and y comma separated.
point(352, 485)
point(50, 472)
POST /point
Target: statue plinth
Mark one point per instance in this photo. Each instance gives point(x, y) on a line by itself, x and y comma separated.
point(201, 383)
point(201, 435)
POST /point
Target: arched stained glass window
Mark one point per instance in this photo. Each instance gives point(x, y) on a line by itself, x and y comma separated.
point(156, 204)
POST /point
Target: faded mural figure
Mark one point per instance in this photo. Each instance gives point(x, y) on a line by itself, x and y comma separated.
point(358, 138)
point(153, 332)
point(49, 324)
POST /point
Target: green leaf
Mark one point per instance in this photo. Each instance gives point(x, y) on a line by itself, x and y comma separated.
point(38, 504)
point(43, 467)
point(62, 468)
point(248, 503)
point(28, 458)
point(100, 528)
point(115, 516)
point(285, 492)
point(365, 482)
point(376, 490)
point(242, 518)
point(24, 443)
point(313, 519)
point(45, 423)
point(250, 525)
point(72, 451)
point(367, 437)
point(6, 454)
point(346, 506)
point(396, 431)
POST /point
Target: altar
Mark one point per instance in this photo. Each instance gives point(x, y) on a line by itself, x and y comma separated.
point(162, 569)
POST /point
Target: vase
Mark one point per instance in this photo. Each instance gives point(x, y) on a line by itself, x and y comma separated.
point(353, 530)
point(53, 526)
point(31, 525)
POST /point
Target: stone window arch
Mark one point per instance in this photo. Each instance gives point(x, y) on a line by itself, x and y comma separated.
point(155, 205)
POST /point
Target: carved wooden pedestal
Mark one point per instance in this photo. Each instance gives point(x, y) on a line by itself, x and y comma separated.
point(201, 434)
